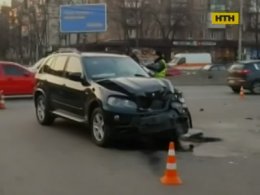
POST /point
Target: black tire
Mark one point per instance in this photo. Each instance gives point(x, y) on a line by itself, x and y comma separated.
point(236, 90)
point(43, 113)
point(190, 122)
point(256, 88)
point(102, 140)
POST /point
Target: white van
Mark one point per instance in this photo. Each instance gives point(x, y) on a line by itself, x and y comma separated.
point(191, 61)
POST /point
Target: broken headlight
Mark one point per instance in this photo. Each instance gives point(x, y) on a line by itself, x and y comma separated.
point(179, 96)
point(179, 107)
point(121, 103)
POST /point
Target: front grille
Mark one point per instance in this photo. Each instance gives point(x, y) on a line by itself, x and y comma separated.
point(146, 103)
point(154, 101)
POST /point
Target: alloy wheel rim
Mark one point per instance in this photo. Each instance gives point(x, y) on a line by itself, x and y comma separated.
point(98, 127)
point(41, 110)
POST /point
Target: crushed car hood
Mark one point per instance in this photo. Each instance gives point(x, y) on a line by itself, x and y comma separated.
point(135, 85)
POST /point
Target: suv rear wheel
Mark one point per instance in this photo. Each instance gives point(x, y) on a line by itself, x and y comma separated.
point(256, 87)
point(100, 131)
point(42, 111)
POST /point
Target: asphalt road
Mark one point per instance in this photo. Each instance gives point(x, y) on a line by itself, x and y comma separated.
point(62, 160)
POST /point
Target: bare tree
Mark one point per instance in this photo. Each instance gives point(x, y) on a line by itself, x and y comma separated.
point(170, 16)
point(4, 43)
point(131, 16)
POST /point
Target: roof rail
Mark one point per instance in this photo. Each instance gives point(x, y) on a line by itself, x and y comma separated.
point(68, 50)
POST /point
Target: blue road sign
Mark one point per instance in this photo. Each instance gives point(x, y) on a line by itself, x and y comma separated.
point(83, 18)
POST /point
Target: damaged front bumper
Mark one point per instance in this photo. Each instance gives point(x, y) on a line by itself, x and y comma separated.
point(148, 123)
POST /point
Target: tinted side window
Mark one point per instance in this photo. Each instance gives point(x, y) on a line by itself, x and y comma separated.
point(214, 68)
point(11, 70)
point(222, 68)
point(257, 66)
point(58, 67)
point(73, 66)
point(46, 68)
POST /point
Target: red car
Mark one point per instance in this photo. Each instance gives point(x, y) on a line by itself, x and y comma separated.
point(15, 79)
point(173, 72)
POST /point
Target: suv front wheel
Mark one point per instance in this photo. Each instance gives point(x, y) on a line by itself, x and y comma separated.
point(100, 131)
point(42, 111)
point(256, 87)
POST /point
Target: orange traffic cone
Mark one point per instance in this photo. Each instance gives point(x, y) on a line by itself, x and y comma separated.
point(171, 176)
point(2, 101)
point(242, 93)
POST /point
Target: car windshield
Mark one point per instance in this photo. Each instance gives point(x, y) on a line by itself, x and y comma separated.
point(112, 67)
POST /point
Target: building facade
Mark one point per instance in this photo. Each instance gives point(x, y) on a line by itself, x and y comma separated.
point(170, 25)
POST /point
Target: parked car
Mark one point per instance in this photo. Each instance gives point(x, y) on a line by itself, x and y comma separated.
point(246, 74)
point(36, 66)
point(16, 79)
point(111, 94)
point(212, 70)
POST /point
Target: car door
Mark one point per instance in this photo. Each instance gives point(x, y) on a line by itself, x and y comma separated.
point(17, 80)
point(56, 81)
point(74, 91)
point(2, 80)
point(218, 72)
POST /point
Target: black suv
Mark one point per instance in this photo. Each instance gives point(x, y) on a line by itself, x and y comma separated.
point(246, 74)
point(110, 93)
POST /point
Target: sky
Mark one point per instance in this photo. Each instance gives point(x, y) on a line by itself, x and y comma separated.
point(3, 2)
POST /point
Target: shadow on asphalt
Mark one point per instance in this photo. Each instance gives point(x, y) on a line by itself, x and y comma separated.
point(18, 99)
point(146, 145)
point(124, 144)
point(151, 152)
point(71, 128)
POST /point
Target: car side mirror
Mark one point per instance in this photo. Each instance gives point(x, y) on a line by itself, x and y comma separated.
point(77, 77)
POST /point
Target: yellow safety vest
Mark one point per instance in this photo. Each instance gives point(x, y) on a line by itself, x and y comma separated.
point(162, 74)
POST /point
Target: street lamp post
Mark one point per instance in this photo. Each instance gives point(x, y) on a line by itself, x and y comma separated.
point(240, 38)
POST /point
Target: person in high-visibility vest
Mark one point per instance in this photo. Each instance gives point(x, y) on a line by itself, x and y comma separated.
point(161, 64)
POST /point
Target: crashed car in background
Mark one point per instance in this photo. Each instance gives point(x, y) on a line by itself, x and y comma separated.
point(111, 94)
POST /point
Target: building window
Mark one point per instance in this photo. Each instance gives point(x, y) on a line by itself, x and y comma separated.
point(133, 4)
point(212, 35)
point(218, 5)
point(229, 35)
point(202, 18)
point(190, 35)
point(132, 33)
